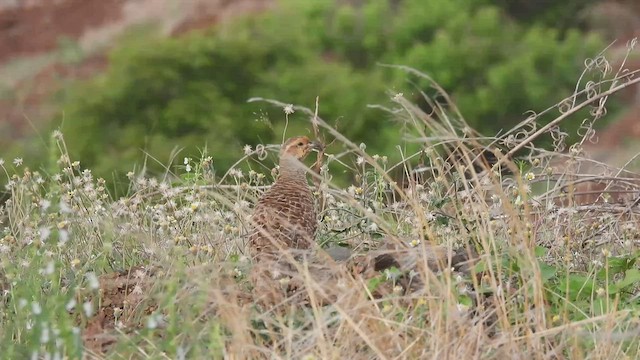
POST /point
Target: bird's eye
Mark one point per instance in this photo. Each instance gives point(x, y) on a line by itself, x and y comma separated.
point(300, 143)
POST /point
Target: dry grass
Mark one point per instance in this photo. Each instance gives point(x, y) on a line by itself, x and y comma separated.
point(161, 273)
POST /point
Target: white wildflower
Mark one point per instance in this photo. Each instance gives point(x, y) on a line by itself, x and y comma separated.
point(44, 233)
point(70, 305)
point(64, 208)
point(152, 322)
point(63, 237)
point(94, 284)
point(236, 173)
point(88, 308)
point(247, 149)
point(288, 109)
point(44, 334)
point(36, 309)
point(51, 266)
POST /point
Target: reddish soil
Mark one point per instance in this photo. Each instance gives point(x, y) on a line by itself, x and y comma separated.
point(33, 29)
point(204, 15)
point(625, 129)
point(122, 295)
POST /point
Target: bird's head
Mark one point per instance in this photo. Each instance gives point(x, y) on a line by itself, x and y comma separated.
point(298, 147)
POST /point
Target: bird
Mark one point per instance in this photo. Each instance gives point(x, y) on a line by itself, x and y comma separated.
point(285, 216)
point(283, 222)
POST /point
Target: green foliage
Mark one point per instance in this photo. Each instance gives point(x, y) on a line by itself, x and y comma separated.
point(41, 313)
point(162, 94)
point(502, 71)
point(612, 285)
point(562, 14)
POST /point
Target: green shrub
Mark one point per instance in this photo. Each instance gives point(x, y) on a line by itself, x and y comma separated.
point(159, 94)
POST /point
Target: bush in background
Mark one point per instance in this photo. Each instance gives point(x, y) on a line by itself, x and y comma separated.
point(160, 94)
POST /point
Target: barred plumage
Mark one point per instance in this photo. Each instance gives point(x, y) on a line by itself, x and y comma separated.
point(285, 216)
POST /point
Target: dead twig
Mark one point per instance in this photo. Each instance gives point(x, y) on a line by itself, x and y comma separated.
point(564, 116)
point(317, 166)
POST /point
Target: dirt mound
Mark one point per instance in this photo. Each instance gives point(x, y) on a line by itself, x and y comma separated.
point(123, 294)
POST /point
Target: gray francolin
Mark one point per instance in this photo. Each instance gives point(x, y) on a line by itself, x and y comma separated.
point(284, 217)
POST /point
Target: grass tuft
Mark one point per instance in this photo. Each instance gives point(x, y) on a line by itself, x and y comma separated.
point(162, 271)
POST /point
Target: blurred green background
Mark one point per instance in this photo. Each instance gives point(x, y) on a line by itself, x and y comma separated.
point(496, 58)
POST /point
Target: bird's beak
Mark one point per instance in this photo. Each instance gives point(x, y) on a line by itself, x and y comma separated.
point(316, 145)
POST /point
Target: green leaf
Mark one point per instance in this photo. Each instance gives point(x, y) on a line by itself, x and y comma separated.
point(617, 265)
point(541, 251)
point(577, 286)
point(465, 300)
point(373, 283)
point(481, 266)
point(547, 272)
point(631, 277)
